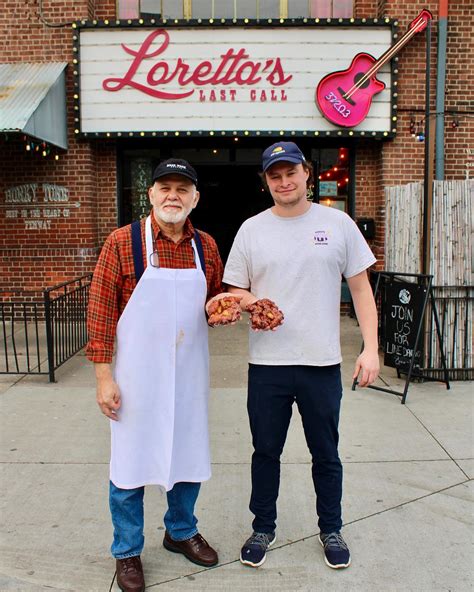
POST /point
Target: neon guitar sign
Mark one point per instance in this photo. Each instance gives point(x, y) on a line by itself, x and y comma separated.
point(344, 97)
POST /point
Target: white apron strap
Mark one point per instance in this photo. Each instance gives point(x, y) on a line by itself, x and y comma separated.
point(148, 240)
point(149, 247)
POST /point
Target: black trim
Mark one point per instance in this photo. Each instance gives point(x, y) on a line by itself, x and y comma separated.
point(351, 194)
point(240, 22)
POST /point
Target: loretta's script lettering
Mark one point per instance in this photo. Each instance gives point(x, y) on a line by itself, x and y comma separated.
point(234, 67)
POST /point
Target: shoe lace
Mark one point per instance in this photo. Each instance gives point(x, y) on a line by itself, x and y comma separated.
point(260, 539)
point(335, 540)
point(131, 564)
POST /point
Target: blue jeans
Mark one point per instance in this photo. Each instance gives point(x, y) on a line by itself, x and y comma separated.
point(126, 507)
point(317, 391)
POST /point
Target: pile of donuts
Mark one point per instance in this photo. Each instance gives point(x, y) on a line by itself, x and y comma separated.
point(225, 309)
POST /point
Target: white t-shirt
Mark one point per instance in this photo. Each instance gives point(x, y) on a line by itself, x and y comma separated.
point(298, 263)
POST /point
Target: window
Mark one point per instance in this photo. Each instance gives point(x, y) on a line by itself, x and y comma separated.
point(127, 9)
point(298, 8)
point(331, 8)
point(252, 9)
point(332, 177)
point(162, 8)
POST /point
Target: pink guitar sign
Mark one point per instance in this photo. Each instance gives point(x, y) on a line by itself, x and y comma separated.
point(344, 97)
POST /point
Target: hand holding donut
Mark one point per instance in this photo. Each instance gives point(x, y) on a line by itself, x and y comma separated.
point(265, 315)
point(224, 309)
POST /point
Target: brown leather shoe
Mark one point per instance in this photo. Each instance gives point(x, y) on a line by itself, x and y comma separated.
point(196, 549)
point(130, 574)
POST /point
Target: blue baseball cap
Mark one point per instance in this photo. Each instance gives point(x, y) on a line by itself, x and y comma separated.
point(282, 151)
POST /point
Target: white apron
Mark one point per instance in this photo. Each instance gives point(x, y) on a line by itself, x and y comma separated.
point(162, 370)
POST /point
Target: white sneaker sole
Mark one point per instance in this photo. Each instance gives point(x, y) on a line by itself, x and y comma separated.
point(332, 565)
point(250, 564)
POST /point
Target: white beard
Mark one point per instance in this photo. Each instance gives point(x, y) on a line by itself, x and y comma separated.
point(173, 217)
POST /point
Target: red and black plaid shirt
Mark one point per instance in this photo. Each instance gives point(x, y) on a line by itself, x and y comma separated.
point(114, 279)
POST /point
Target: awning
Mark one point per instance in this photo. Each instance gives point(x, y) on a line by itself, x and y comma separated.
point(33, 101)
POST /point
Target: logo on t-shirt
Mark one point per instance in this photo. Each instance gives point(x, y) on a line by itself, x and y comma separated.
point(320, 237)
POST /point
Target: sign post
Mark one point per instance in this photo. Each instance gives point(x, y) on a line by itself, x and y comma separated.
point(403, 302)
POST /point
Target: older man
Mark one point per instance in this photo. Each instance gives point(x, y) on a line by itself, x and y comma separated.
point(295, 254)
point(149, 290)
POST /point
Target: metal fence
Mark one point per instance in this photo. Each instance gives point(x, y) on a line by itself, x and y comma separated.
point(451, 264)
point(42, 331)
point(455, 306)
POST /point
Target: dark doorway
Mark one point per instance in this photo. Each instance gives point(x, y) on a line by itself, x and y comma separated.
point(229, 195)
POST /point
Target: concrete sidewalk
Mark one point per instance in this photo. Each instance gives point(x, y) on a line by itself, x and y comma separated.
point(407, 488)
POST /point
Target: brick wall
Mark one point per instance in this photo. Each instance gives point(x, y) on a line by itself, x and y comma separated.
point(32, 259)
point(459, 95)
point(402, 160)
point(35, 258)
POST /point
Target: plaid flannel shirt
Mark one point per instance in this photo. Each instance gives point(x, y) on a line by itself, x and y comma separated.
point(114, 279)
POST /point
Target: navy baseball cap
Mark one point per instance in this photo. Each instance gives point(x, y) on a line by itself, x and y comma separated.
point(282, 151)
point(175, 166)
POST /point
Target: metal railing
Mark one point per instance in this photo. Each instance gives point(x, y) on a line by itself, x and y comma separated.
point(40, 333)
point(455, 306)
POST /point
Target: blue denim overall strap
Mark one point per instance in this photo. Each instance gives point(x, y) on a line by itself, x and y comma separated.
point(198, 241)
point(137, 249)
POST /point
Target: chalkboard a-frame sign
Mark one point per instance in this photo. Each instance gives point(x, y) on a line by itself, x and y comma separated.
point(403, 305)
point(402, 313)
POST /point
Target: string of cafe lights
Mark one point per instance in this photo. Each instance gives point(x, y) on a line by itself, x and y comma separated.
point(338, 172)
point(42, 148)
point(38, 147)
point(417, 126)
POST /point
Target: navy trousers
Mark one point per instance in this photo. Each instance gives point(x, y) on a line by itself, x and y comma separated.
point(317, 390)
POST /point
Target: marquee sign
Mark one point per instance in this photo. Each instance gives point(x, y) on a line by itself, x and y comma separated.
point(226, 80)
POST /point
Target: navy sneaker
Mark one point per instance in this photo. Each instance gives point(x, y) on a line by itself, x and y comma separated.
point(254, 551)
point(336, 551)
